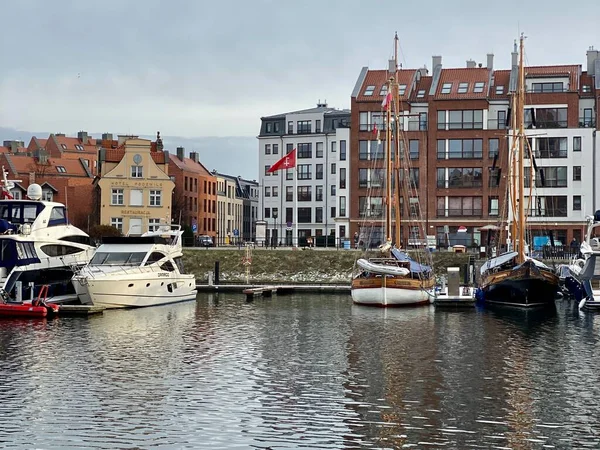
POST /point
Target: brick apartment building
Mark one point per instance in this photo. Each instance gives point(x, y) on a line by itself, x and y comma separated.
point(195, 195)
point(456, 125)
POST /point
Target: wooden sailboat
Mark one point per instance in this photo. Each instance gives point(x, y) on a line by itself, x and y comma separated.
point(514, 278)
point(392, 279)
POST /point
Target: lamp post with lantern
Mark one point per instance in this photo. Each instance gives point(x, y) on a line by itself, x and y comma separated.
point(275, 235)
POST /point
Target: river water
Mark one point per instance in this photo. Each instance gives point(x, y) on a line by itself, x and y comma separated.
point(301, 371)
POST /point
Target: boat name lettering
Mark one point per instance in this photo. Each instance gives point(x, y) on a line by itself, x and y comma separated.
point(165, 274)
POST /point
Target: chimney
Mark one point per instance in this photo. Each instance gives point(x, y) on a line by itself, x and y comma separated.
point(490, 61)
point(83, 137)
point(194, 156)
point(592, 56)
point(391, 66)
point(423, 71)
point(435, 61)
point(515, 56)
point(60, 135)
point(107, 137)
point(471, 64)
point(180, 153)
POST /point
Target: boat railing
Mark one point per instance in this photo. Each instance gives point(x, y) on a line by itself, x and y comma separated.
point(93, 271)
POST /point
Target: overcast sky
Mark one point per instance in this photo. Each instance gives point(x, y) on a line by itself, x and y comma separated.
point(213, 68)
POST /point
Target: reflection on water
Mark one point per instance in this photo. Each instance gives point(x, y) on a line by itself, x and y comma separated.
point(301, 371)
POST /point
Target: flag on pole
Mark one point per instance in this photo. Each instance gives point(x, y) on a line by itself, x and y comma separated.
point(386, 101)
point(375, 130)
point(287, 162)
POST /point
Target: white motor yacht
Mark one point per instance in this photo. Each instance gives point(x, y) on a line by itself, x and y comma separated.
point(38, 246)
point(131, 272)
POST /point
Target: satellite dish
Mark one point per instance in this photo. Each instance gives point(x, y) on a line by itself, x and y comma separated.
point(34, 192)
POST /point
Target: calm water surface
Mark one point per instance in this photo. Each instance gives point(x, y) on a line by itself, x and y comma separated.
point(301, 372)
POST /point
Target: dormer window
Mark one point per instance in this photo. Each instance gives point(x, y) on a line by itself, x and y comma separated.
point(463, 88)
point(499, 90)
point(478, 88)
point(446, 88)
point(79, 147)
point(369, 90)
point(586, 88)
point(421, 93)
point(547, 87)
point(61, 169)
point(64, 146)
point(269, 127)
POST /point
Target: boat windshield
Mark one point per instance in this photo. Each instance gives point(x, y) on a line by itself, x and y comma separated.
point(117, 258)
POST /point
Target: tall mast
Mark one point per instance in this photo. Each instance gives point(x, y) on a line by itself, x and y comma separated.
point(388, 152)
point(396, 171)
point(521, 173)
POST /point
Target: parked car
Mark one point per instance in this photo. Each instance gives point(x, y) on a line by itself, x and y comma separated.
point(205, 241)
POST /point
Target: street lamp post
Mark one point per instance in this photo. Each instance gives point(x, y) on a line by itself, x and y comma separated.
point(275, 234)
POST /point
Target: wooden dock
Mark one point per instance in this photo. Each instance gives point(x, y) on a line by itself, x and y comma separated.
point(454, 301)
point(265, 291)
point(80, 310)
point(281, 288)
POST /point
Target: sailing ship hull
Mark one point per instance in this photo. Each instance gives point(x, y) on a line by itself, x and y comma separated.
point(392, 291)
point(525, 286)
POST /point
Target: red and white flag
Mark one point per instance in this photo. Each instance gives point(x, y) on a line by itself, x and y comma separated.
point(386, 101)
point(375, 130)
point(287, 162)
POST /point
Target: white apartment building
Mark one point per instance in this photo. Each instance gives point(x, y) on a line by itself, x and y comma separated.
point(321, 137)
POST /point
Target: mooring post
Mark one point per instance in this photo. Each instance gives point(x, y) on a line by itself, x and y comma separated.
point(216, 272)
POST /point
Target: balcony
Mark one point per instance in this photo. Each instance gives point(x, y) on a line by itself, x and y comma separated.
point(464, 212)
point(587, 122)
point(552, 212)
point(547, 124)
point(458, 184)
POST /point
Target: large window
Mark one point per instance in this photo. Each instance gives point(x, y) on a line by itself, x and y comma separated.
point(370, 150)
point(460, 149)
point(289, 193)
point(319, 193)
point(117, 222)
point(546, 118)
point(493, 205)
point(304, 171)
point(413, 177)
point(460, 177)
point(155, 198)
point(413, 148)
point(368, 178)
point(494, 180)
point(305, 150)
point(304, 215)
point(547, 177)
point(319, 214)
point(342, 150)
point(493, 147)
point(549, 206)
point(304, 193)
point(550, 147)
point(319, 172)
point(459, 206)
point(342, 206)
point(117, 197)
point(303, 127)
point(547, 87)
point(465, 119)
point(137, 172)
point(371, 207)
point(319, 153)
point(342, 178)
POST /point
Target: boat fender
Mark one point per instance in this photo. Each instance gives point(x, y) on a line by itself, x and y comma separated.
point(582, 302)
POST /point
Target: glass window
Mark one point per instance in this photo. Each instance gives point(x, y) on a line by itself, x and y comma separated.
point(463, 88)
point(117, 197)
point(576, 143)
point(478, 88)
point(369, 90)
point(446, 88)
point(137, 172)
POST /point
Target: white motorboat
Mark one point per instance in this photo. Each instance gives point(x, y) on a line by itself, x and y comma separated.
point(586, 270)
point(132, 272)
point(38, 246)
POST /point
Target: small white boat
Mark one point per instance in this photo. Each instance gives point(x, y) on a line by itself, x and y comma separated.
point(132, 272)
point(382, 268)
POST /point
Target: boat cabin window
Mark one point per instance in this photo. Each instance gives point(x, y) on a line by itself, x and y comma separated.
point(77, 239)
point(60, 250)
point(168, 266)
point(117, 258)
point(19, 213)
point(26, 250)
point(58, 216)
point(154, 256)
point(179, 263)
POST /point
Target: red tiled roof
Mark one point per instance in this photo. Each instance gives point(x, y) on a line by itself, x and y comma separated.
point(424, 84)
point(571, 71)
point(465, 75)
point(116, 155)
point(4, 149)
point(189, 165)
point(71, 142)
point(501, 78)
point(379, 78)
point(24, 164)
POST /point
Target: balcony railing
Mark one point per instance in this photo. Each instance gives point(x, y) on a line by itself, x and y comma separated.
point(465, 154)
point(463, 212)
point(555, 212)
point(448, 184)
point(539, 124)
point(587, 122)
point(375, 213)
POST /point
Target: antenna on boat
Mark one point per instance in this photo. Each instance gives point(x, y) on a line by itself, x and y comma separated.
point(7, 185)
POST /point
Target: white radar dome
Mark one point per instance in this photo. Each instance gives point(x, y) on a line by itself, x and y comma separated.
point(34, 191)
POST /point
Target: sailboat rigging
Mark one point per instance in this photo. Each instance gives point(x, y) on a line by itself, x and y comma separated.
point(514, 278)
point(393, 279)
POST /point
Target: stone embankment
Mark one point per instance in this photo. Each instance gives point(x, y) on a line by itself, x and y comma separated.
point(285, 265)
